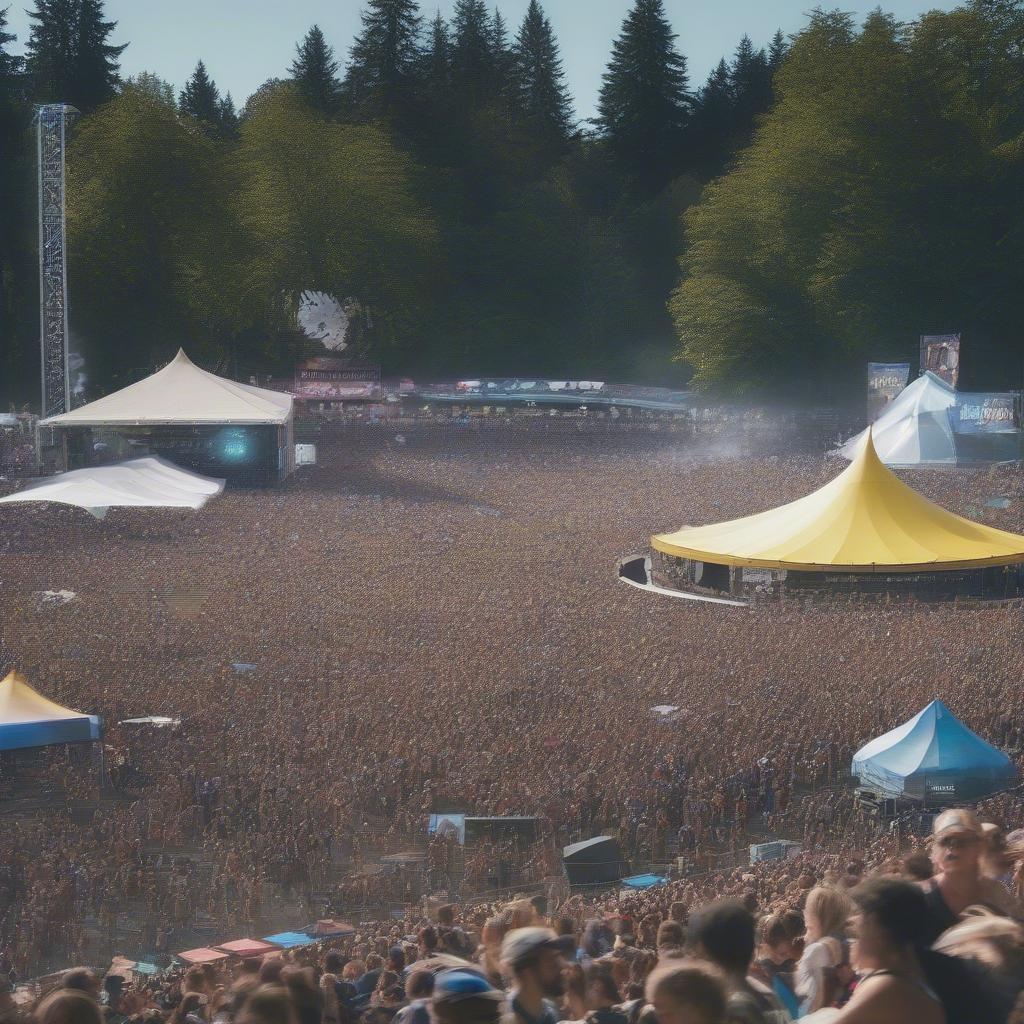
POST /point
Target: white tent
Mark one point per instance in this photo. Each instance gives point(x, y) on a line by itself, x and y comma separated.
point(181, 393)
point(914, 428)
point(148, 482)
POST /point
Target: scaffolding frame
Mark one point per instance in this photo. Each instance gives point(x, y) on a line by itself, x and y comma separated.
point(52, 121)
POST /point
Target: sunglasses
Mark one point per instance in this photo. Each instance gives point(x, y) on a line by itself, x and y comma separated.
point(957, 842)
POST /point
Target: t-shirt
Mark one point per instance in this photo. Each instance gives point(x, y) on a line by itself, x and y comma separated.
point(754, 1003)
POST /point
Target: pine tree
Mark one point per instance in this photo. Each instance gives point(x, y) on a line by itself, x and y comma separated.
point(227, 117)
point(96, 68)
point(10, 65)
point(751, 83)
point(537, 92)
point(436, 67)
point(473, 66)
point(50, 50)
point(502, 53)
point(644, 103)
point(200, 99)
point(382, 66)
point(777, 50)
point(315, 72)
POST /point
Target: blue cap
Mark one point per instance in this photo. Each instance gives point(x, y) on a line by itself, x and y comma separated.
point(462, 984)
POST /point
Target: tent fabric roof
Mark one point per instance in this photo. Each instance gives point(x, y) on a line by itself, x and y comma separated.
point(202, 955)
point(289, 940)
point(247, 948)
point(181, 392)
point(148, 482)
point(575, 848)
point(933, 741)
point(28, 719)
point(865, 520)
point(914, 428)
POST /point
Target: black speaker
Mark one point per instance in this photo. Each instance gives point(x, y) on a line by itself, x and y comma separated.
point(596, 861)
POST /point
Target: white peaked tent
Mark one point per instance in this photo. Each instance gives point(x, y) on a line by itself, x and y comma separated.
point(148, 482)
point(181, 393)
point(914, 428)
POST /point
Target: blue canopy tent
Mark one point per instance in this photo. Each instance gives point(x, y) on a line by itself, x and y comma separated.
point(28, 719)
point(933, 757)
point(289, 940)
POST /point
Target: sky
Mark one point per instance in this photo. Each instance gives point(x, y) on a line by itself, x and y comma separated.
point(245, 42)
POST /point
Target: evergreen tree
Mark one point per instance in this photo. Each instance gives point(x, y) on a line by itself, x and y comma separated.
point(644, 104)
point(50, 52)
point(96, 68)
point(200, 99)
point(537, 91)
point(750, 80)
point(473, 62)
point(382, 66)
point(777, 50)
point(436, 65)
point(10, 64)
point(227, 117)
point(315, 72)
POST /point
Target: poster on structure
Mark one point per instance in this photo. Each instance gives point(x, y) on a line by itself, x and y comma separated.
point(940, 353)
point(986, 413)
point(885, 382)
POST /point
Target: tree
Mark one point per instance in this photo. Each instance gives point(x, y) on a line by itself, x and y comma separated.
point(381, 72)
point(10, 64)
point(644, 103)
point(200, 98)
point(153, 86)
point(50, 51)
point(315, 72)
point(473, 57)
point(96, 68)
point(537, 89)
point(777, 50)
point(711, 127)
point(436, 61)
point(227, 117)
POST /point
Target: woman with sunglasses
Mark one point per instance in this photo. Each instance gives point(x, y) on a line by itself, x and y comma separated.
point(957, 846)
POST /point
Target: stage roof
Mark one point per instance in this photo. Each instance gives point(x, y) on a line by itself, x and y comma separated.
point(148, 482)
point(181, 393)
point(865, 520)
point(28, 719)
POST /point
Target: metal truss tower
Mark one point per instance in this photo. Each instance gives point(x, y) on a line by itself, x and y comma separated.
point(52, 120)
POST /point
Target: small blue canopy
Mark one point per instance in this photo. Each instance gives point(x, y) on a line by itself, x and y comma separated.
point(644, 881)
point(289, 940)
point(934, 756)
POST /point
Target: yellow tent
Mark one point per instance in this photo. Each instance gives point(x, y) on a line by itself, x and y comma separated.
point(865, 520)
point(28, 719)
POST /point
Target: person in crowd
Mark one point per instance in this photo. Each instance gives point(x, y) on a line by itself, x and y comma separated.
point(602, 996)
point(533, 956)
point(465, 997)
point(723, 933)
point(419, 986)
point(687, 992)
point(10, 1013)
point(671, 940)
point(81, 979)
point(68, 1006)
point(268, 1004)
point(958, 845)
point(893, 988)
point(776, 964)
point(191, 1010)
point(823, 974)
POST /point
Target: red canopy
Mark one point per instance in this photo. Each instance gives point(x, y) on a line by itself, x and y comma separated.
point(332, 927)
point(203, 955)
point(247, 948)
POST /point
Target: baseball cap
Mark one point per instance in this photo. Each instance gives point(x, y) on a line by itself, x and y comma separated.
point(453, 986)
point(523, 944)
point(956, 821)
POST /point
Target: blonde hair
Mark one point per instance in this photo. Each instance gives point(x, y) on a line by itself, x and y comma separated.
point(828, 909)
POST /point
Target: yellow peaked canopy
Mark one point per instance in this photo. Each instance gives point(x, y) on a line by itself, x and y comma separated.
point(866, 520)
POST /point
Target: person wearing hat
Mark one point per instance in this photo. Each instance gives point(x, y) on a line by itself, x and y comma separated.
point(957, 845)
point(534, 957)
point(465, 997)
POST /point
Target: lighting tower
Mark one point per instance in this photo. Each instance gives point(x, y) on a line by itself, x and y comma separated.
point(52, 121)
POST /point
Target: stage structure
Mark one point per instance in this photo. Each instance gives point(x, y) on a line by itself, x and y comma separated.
point(864, 533)
point(52, 122)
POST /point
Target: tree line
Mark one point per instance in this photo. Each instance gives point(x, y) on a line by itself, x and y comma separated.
point(814, 203)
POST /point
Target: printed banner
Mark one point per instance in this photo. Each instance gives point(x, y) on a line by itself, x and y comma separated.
point(984, 414)
point(885, 382)
point(940, 353)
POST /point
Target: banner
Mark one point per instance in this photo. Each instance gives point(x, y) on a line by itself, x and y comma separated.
point(984, 414)
point(885, 382)
point(940, 353)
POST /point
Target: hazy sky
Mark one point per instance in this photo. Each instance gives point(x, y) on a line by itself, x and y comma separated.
point(245, 42)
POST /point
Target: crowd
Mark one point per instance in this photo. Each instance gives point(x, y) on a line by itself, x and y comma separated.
point(935, 937)
point(425, 626)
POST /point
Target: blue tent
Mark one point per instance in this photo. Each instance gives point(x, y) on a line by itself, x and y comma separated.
point(28, 719)
point(934, 757)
